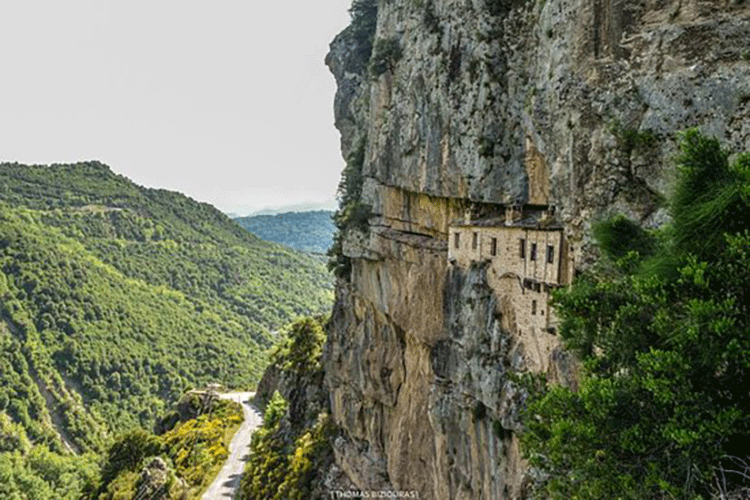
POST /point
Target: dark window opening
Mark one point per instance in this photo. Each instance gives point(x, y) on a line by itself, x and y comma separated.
point(493, 246)
point(474, 239)
point(537, 287)
point(522, 248)
point(533, 307)
point(550, 254)
point(533, 252)
point(456, 239)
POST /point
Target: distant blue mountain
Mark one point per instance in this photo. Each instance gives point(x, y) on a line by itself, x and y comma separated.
point(305, 231)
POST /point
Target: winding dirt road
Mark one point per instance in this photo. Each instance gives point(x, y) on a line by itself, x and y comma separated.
point(227, 483)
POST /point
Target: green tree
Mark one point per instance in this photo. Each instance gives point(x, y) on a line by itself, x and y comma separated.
point(12, 435)
point(303, 347)
point(710, 197)
point(662, 400)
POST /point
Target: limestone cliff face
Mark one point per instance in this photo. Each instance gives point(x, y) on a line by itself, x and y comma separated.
point(571, 103)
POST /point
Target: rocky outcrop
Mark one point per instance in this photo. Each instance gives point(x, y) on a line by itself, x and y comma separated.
point(571, 103)
point(304, 392)
point(153, 480)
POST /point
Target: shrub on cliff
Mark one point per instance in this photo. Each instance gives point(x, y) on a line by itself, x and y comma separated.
point(301, 350)
point(352, 213)
point(386, 53)
point(662, 406)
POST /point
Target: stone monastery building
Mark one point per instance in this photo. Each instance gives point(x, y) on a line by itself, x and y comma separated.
point(527, 256)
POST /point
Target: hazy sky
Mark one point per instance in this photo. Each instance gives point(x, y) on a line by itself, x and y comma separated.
point(228, 101)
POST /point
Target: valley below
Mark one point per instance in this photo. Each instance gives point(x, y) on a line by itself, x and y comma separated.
point(115, 300)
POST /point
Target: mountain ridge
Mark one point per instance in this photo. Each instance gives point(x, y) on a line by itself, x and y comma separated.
point(310, 231)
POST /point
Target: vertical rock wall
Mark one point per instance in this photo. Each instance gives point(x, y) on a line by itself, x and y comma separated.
point(572, 103)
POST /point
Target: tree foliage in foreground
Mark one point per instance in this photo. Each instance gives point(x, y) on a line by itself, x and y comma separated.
point(663, 331)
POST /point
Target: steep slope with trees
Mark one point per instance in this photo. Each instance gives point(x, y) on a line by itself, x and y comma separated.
point(114, 299)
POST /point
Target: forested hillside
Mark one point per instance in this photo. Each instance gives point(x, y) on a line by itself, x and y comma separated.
point(116, 298)
point(305, 231)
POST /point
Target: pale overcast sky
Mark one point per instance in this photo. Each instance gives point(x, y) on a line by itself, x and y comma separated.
point(227, 101)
